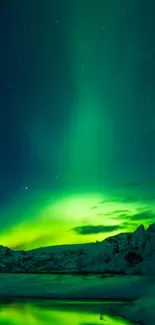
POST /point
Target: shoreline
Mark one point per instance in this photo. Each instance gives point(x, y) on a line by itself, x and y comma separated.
point(130, 293)
point(73, 300)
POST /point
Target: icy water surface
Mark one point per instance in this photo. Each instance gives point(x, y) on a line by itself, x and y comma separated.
point(60, 313)
point(72, 287)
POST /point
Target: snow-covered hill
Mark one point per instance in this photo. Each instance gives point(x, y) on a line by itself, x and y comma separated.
point(128, 253)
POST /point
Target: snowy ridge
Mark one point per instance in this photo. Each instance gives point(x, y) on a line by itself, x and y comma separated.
point(125, 253)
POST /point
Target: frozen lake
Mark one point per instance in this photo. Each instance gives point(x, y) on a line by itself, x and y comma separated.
point(27, 299)
point(72, 287)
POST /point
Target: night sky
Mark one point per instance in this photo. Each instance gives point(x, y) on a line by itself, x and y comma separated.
point(77, 120)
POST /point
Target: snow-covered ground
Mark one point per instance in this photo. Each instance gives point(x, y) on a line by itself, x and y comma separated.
point(126, 253)
point(142, 311)
point(138, 291)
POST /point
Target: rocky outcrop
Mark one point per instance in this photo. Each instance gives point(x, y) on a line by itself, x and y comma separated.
point(138, 240)
point(126, 253)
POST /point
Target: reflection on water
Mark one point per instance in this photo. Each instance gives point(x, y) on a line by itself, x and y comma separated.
point(60, 313)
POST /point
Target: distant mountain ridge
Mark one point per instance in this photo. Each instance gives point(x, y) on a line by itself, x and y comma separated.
point(125, 253)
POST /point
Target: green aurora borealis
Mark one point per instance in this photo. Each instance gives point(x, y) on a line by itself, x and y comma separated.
point(54, 219)
point(89, 163)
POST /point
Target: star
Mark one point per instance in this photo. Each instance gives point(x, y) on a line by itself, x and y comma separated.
point(25, 28)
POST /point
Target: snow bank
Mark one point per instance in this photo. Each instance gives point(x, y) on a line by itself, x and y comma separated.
point(142, 311)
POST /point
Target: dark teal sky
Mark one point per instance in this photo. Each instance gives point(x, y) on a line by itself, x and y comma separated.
point(77, 104)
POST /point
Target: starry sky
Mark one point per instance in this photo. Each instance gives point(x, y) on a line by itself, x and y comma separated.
point(77, 120)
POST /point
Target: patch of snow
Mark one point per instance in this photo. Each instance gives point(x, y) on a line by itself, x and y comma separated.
point(142, 311)
point(126, 253)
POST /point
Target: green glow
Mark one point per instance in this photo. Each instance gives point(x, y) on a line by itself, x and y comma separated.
point(31, 314)
point(87, 151)
point(49, 221)
point(90, 129)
